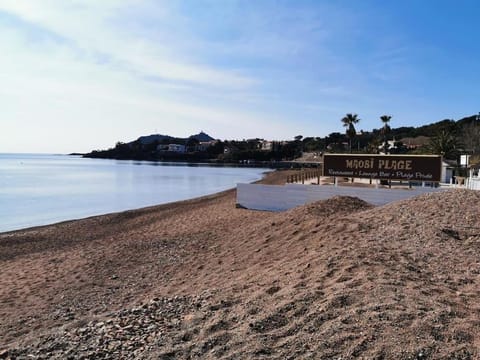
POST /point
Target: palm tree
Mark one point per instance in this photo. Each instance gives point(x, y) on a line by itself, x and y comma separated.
point(385, 130)
point(349, 122)
point(444, 143)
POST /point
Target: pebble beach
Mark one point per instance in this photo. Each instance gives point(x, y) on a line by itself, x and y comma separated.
point(202, 279)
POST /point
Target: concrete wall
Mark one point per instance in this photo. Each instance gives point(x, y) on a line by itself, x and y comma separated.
point(279, 198)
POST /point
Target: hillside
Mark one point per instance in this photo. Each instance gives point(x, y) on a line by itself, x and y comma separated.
point(464, 132)
point(149, 139)
point(160, 139)
point(427, 130)
point(147, 148)
point(202, 279)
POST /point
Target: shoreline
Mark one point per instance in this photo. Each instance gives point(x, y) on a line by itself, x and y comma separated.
point(275, 164)
point(139, 211)
point(152, 207)
point(38, 250)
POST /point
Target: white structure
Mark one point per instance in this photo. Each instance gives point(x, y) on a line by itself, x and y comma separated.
point(391, 145)
point(447, 173)
point(267, 145)
point(464, 160)
point(473, 181)
point(162, 147)
point(204, 145)
point(279, 198)
point(176, 148)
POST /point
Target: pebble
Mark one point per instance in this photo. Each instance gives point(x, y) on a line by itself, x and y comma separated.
point(126, 333)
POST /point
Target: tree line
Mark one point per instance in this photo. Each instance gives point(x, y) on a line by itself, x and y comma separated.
point(448, 138)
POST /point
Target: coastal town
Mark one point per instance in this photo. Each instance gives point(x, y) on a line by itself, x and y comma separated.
point(448, 138)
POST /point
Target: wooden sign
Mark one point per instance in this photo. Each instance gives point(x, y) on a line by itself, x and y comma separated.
point(385, 167)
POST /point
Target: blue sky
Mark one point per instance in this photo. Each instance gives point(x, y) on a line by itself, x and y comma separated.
point(82, 75)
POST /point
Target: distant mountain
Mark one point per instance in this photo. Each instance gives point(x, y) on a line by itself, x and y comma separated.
point(202, 137)
point(152, 147)
point(149, 139)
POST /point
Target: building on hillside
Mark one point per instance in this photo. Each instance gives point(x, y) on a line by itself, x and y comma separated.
point(266, 145)
point(391, 145)
point(230, 149)
point(176, 148)
point(204, 145)
point(162, 147)
point(338, 146)
point(416, 142)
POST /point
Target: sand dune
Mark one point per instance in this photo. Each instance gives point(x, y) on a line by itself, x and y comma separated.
point(202, 279)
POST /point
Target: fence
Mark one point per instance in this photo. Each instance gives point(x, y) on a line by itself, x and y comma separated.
point(303, 175)
point(284, 197)
point(473, 183)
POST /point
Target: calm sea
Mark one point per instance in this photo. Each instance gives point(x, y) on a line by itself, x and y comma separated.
point(44, 189)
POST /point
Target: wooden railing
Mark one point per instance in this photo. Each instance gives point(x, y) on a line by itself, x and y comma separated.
point(303, 175)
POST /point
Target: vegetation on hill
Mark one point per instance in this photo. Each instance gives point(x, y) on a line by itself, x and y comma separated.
point(448, 138)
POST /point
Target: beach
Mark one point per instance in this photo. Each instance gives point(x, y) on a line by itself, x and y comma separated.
point(204, 279)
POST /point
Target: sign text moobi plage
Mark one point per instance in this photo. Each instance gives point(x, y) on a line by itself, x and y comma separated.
point(387, 167)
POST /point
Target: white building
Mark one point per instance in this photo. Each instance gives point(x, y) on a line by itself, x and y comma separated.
point(176, 148)
point(162, 147)
point(267, 145)
point(204, 145)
